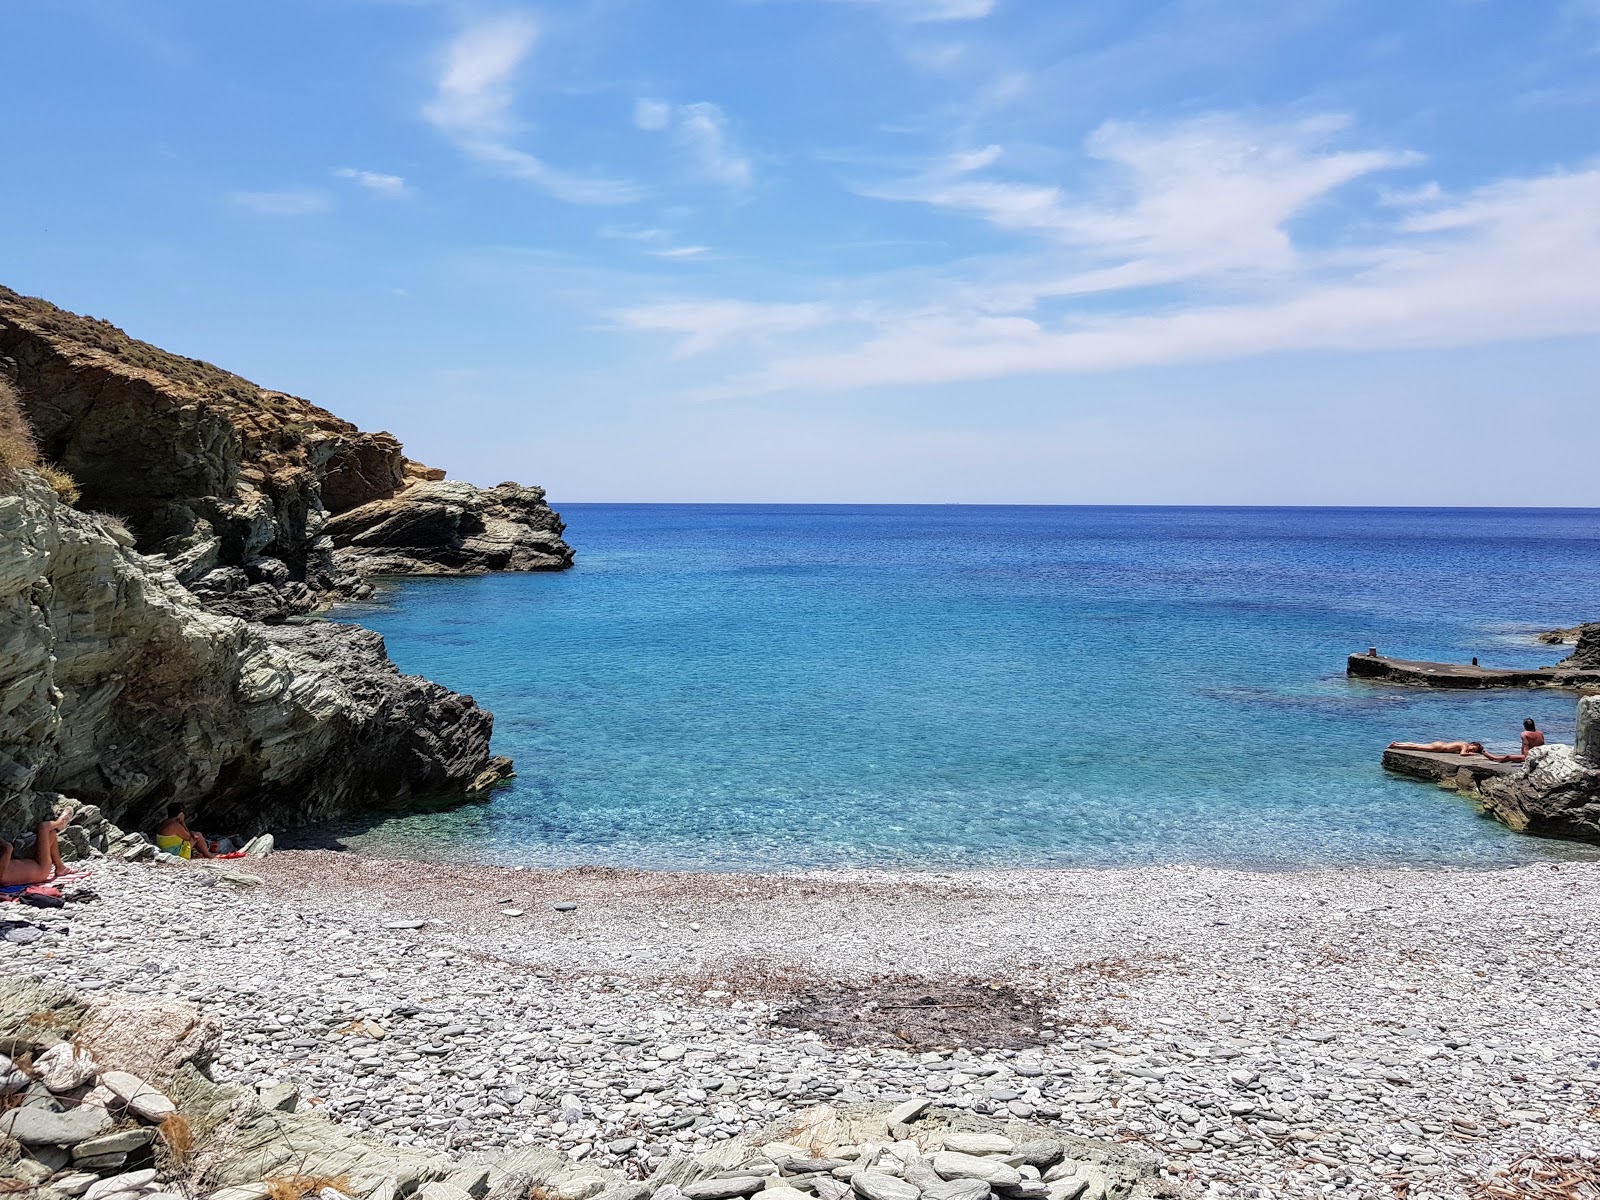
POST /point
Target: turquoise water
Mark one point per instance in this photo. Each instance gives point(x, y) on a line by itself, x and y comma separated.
point(748, 687)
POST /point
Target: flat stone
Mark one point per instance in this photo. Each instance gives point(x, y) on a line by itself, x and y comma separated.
point(952, 1164)
point(120, 1141)
point(978, 1143)
point(566, 906)
point(880, 1185)
point(75, 1184)
point(1068, 1189)
point(142, 1100)
point(957, 1189)
point(903, 1114)
point(404, 924)
point(40, 1127)
point(133, 1181)
point(724, 1189)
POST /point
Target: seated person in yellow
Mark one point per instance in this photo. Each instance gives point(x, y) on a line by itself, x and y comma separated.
point(175, 837)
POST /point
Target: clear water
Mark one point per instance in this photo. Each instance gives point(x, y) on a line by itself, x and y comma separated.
point(742, 687)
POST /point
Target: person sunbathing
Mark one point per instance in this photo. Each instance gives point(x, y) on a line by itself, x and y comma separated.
point(1531, 737)
point(1465, 749)
point(175, 837)
point(46, 862)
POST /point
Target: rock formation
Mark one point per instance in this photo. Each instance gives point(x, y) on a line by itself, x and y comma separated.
point(1557, 792)
point(235, 484)
point(1585, 654)
point(122, 691)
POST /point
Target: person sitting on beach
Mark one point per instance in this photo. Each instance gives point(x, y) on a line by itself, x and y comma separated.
point(175, 837)
point(46, 862)
point(1531, 737)
point(1465, 749)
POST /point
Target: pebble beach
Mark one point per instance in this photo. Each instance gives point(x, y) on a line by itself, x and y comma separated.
point(1342, 1032)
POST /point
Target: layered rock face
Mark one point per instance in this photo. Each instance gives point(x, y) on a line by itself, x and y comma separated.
point(1586, 652)
point(1557, 792)
point(118, 688)
point(235, 484)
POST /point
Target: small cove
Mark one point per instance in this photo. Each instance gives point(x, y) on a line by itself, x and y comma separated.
point(761, 687)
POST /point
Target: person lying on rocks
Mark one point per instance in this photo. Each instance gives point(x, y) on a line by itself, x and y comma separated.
point(1531, 737)
point(175, 837)
point(1465, 749)
point(46, 862)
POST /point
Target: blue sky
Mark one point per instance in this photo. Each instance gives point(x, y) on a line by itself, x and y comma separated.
point(1120, 251)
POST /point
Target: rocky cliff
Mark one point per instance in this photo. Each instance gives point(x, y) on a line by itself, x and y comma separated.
point(118, 688)
point(264, 504)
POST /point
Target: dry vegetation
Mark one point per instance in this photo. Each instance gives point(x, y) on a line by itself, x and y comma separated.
point(19, 451)
point(298, 1187)
point(90, 333)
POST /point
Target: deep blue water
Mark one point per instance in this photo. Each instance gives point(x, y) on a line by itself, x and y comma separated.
point(745, 686)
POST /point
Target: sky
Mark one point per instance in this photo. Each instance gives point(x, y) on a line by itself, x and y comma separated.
point(934, 251)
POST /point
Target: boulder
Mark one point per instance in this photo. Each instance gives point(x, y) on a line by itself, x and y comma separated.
point(65, 1067)
point(1557, 791)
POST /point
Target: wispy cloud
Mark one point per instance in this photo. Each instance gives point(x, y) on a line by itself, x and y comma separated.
point(708, 324)
point(1515, 260)
point(929, 10)
point(373, 181)
point(473, 106)
point(701, 131)
point(285, 202)
point(680, 252)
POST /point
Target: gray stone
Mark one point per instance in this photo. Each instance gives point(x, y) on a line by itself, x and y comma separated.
point(951, 1164)
point(957, 1189)
point(34, 1126)
point(120, 1141)
point(131, 1182)
point(724, 1189)
point(978, 1143)
point(144, 1101)
point(279, 1097)
point(880, 1185)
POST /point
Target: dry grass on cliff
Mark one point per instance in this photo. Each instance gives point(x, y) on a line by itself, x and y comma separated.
point(17, 447)
point(19, 451)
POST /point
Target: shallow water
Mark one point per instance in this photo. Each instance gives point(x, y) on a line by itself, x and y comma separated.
point(718, 687)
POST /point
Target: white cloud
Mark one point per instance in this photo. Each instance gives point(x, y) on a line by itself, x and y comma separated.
point(701, 132)
point(373, 181)
point(680, 252)
point(1201, 198)
point(473, 105)
point(287, 202)
point(930, 10)
point(652, 115)
point(708, 324)
point(1514, 260)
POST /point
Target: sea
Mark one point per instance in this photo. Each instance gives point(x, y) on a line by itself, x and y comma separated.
point(938, 688)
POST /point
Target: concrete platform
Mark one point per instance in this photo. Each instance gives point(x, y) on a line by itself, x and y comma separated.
point(1444, 768)
point(1411, 673)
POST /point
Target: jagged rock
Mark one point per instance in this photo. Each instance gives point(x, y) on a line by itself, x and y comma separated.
point(1557, 792)
point(451, 528)
point(1586, 651)
point(127, 694)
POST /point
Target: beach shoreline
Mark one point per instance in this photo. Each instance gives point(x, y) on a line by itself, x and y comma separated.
point(1310, 1033)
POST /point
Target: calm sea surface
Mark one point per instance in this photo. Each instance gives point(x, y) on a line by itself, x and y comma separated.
point(729, 687)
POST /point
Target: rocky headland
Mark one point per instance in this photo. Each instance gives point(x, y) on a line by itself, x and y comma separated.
point(162, 524)
point(263, 504)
